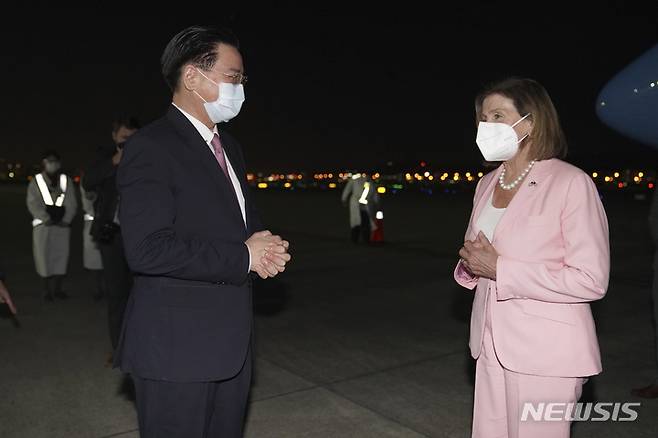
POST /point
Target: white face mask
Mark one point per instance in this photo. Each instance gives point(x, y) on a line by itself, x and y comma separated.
point(498, 141)
point(228, 103)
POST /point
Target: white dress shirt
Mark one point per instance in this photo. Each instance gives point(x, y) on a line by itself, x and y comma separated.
point(207, 136)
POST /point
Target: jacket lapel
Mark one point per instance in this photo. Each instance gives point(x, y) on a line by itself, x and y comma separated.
point(199, 148)
point(480, 202)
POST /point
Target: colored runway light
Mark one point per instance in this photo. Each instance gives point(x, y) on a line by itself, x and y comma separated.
point(262, 185)
point(480, 174)
point(636, 179)
point(616, 174)
point(595, 175)
point(651, 185)
point(620, 185)
point(381, 189)
point(641, 174)
point(332, 185)
point(11, 174)
point(287, 185)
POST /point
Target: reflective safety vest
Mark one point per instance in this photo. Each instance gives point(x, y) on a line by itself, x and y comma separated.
point(364, 195)
point(45, 193)
point(88, 217)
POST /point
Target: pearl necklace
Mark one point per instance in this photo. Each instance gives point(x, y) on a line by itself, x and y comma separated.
point(513, 184)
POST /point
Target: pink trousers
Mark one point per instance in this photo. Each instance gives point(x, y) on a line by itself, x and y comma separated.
point(500, 395)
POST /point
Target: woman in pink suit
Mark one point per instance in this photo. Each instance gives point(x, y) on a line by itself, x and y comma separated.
point(536, 252)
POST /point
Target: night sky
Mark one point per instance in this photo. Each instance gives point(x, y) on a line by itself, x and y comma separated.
point(329, 88)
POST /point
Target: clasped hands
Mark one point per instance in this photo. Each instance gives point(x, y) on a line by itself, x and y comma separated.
point(269, 254)
point(479, 257)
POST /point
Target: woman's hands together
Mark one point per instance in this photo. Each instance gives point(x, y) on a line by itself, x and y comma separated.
point(479, 257)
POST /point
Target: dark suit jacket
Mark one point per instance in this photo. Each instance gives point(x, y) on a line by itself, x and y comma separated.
point(100, 177)
point(189, 316)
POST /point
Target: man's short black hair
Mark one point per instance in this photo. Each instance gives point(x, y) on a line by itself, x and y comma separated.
point(128, 122)
point(196, 45)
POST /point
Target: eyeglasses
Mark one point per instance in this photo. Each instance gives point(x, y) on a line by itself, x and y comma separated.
point(236, 78)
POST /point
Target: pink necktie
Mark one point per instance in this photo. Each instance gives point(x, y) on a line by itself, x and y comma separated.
point(221, 159)
point(219, 154)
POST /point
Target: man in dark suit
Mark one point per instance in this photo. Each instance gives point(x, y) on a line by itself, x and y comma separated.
point(100, 177)
point(192, 238)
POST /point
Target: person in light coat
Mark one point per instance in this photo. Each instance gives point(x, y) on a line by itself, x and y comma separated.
point(52, 203)
point(360, 195)
point(91, 253)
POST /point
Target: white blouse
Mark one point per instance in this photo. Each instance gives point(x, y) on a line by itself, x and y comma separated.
point(489, 218)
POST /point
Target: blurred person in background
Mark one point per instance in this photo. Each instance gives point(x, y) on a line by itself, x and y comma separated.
point(91, 253)
point(52, 203)
point(360, 196)
point(105, 229)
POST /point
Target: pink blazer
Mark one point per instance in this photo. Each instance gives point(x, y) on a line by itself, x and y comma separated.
point(554, 259)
